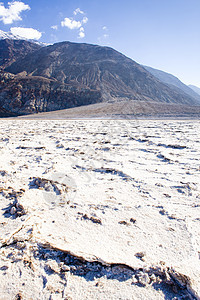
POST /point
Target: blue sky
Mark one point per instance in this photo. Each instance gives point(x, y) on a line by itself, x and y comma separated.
point(164, 34)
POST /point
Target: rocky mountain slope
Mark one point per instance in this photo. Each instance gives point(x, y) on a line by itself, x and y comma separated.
point(99, 68)
point(174, 82)
point(25, 95)
point(12, 50)
point(36, 79)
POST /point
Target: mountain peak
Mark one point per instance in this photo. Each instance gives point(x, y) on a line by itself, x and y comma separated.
point(8, 35)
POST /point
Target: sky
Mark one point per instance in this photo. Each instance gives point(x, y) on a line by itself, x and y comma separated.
point(164, 34)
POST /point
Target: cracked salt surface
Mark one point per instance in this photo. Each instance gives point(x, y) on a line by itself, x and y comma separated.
point(81, 222)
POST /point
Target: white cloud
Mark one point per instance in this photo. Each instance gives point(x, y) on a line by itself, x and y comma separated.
point(55, 27)
point(71, 24)
point(12, 13)
point(104, 38)
point(85, 20)
point(81, 33)
point(78, 11)
point(27, 33)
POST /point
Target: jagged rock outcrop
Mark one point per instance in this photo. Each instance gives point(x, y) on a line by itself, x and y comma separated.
point(26, 94)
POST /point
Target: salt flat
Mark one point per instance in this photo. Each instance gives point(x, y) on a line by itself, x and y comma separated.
point(99, 209)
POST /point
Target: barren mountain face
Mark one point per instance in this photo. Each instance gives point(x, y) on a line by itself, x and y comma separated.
point(66, 75)
point(12, 50)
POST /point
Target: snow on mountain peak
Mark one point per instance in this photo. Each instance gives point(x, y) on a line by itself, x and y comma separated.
point(8, 35)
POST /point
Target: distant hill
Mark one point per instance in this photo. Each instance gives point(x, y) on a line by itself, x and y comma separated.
point(38, 79)
point(173, 81)
point(195, 89)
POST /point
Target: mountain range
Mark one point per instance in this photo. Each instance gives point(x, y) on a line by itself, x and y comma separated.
point(195, 88)
point(174, 82)
point(36, 78)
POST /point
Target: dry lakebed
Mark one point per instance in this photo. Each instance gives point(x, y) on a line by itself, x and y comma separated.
point(99, 209)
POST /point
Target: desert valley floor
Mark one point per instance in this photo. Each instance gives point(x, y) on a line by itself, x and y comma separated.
point(99, 209)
